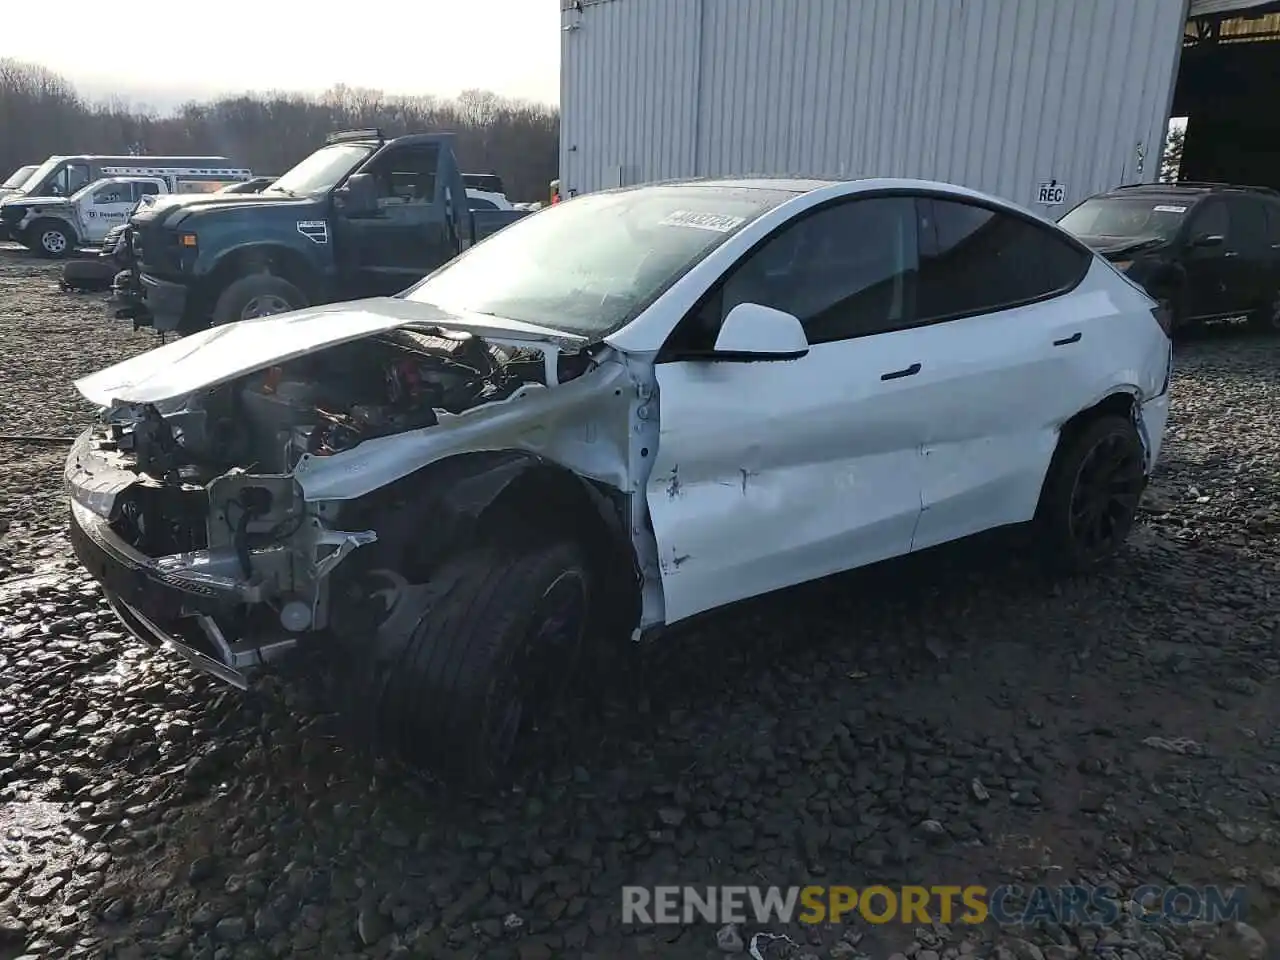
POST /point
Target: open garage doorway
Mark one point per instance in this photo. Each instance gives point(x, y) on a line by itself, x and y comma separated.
point(1226, 95)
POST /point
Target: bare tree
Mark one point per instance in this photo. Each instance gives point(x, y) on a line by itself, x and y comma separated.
point(271, 131)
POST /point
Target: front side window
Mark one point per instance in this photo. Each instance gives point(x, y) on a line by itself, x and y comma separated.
point(406, 175)
point(589, 266)
point(1212, 220)
point(77, 176)
point(975, 260)
point(147, 189)
point(844, 271)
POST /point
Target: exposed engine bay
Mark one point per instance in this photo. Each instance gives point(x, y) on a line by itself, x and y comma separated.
point(212, 470)
point(322, 403)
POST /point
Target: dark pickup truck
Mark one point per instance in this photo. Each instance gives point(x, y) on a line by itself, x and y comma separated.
point(362, 216)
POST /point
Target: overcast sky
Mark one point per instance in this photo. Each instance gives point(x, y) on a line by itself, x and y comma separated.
point(511, 47)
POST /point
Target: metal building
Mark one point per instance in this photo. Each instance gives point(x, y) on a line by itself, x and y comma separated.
point(1040, 101)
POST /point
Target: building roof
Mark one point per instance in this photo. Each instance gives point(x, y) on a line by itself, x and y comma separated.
point(1222, 8)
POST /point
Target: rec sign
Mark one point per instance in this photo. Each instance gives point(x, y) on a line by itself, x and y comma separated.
point(1051, 192)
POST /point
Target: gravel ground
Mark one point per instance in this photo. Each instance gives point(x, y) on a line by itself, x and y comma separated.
point(950, 718)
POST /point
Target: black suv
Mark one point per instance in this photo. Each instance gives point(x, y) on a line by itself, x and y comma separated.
point(1206, 250)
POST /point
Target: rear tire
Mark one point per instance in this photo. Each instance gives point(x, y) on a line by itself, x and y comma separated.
point(257, 295)
point(1091, 494)
point(463, 667)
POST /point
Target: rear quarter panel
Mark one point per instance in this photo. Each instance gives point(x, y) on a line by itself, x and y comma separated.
point(1129, 350)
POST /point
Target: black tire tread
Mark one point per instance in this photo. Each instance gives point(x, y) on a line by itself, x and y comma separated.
point(427, 689)
point(1055, 498)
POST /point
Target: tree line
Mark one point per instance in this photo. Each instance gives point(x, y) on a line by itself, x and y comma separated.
point(43, 114)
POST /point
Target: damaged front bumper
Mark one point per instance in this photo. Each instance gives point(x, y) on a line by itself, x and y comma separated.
point(227, 608)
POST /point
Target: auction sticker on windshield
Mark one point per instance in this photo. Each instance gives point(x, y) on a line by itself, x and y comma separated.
point(720, 223)
point(1168, 208)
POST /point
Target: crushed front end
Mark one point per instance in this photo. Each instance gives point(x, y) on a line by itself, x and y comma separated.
point(188, 512)
point(227, 570)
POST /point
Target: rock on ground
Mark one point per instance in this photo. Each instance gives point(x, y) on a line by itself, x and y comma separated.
point(951, 718)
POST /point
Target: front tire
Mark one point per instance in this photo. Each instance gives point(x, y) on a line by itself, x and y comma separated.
point(464, 667)
point(1091, 494)
point(1266, 318)
point(257, 295)
point(51, 240)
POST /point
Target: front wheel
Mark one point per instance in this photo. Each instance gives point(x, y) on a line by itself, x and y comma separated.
point(465, 667)
point(1266, 318)
point(257, 295)
point(50, 239)
point(1091, 494)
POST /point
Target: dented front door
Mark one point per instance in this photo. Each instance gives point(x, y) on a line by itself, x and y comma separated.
point(773, 473)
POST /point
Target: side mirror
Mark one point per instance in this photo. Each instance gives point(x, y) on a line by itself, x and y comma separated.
point(1208, 240)
point(358, 196)
point(755, 332)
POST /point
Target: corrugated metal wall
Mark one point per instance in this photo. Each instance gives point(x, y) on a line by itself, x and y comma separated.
point(1000, 95)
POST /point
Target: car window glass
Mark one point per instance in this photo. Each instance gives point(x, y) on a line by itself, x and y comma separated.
point(1273, 223)
point(976, 260)
point(77, 177)
point(1248, 223)
point(845, 271)
point(406, 175)
point(113, 193)
point(478, 204)
point(1212, 220)
point(146, 189)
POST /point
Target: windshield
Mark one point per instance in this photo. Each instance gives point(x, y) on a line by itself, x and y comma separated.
point(18, 177)
point(1127, 218)
point(322, 170)
point(589, 265)
point(38, 175)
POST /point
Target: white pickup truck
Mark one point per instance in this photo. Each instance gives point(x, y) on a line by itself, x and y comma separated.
point(56, 226)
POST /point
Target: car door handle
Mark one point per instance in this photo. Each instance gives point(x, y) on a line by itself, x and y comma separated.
point(1231, 253)
point(910, 371)
point(1074, 338)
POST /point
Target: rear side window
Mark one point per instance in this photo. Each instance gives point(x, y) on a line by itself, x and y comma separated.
point(975, 260)
point(1248, 224)
point(1273, 224)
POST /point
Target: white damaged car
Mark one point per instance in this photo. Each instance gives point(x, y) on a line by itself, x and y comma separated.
point(621, 411)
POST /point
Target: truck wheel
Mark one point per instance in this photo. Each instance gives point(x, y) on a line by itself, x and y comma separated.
point(1091, 494)
point(464, 665)
point(51, 239)
point(1266, 318)
point(257, 295)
